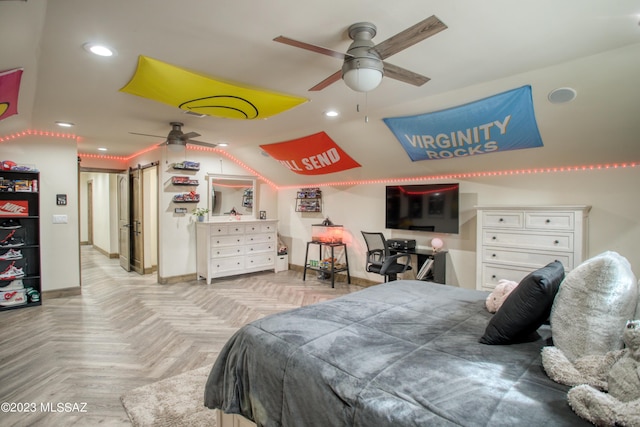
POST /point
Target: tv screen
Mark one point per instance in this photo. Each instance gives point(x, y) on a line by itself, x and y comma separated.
point(426, 207)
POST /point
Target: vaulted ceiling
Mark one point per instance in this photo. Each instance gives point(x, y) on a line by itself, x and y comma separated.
point(489, 47)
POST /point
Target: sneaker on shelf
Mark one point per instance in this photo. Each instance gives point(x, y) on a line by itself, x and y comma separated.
point(10, 224)
point(34, 296)
point(11, 254)
point(10, 298)
point(10, 241)
point(12, 272)
point(12, 285)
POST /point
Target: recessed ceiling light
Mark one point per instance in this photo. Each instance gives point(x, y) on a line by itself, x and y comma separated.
point(562, 95)
point(102, 149)
point(98, 49)
point(64, 124)
point(331, 113)
point(223, 144)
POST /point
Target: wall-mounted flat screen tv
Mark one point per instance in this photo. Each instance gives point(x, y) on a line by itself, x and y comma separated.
point(425, 207)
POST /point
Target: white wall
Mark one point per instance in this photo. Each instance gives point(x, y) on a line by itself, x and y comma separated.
point(613, 221)
point(56, 159)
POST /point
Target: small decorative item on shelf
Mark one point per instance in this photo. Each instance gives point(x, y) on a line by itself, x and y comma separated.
point(200, 213)
point(234, 214)
point(191, 197)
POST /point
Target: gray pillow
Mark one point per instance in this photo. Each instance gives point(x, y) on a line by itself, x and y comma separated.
point(593, 304)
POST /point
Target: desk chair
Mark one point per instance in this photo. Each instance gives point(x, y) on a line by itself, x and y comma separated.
point(380, 260)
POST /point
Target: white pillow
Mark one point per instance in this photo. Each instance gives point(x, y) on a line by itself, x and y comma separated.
point(593, 304)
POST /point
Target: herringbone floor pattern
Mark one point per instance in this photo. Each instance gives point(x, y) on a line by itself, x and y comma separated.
point(124, 331)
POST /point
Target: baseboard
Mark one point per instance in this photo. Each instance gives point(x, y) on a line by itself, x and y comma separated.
point(61, 293)
point(149, 270)
point(177, 279)
point(106, 253)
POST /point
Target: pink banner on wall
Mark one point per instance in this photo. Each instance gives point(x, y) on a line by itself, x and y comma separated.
point(9, 88)
point(315, 154)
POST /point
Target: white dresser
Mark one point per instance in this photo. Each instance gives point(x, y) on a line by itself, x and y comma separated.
point(513, 241)
point(235, 247)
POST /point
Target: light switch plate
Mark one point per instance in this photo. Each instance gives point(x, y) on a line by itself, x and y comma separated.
point(60, 219)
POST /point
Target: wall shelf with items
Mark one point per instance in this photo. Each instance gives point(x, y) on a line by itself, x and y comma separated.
point(309, 200)
point(184, 180)
point(20, 284)
point(191, 197)
point(187, 165)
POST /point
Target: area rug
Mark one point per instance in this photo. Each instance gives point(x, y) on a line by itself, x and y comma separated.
point(175, 401)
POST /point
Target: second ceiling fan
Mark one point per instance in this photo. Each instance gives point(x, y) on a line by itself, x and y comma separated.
point(364, 65)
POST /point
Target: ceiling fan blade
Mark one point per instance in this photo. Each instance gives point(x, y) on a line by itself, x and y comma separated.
point(146, 134)
point(189, 135)
point(328, 81)
point(311, 47)
point(201, 143)
point(404, 75)
point(410, 36)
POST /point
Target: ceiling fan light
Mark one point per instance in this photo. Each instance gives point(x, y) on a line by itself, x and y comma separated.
point(175, 146)
point(362, 79)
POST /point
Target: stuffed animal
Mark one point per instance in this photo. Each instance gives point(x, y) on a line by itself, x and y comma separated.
point(499, 294)
point(617, 372)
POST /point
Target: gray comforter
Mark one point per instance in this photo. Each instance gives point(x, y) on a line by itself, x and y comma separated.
point(404, 353)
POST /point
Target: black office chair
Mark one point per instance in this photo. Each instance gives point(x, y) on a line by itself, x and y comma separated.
point(380, 260)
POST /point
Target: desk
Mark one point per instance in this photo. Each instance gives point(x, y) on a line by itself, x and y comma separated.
point(331, 269)
point(438, 272)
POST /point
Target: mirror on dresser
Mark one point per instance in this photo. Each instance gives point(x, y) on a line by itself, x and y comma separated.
point(231, 193)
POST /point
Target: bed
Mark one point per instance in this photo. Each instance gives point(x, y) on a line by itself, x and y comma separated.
point(403, 353)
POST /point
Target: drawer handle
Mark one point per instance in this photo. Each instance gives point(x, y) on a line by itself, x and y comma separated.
point(501, 220)
point(555, 242)
point(548, 221)
point(493, 277)
point(494, 238)
point(493, 255)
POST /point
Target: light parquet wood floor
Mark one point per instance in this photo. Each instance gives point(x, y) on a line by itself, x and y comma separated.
point(125, 331)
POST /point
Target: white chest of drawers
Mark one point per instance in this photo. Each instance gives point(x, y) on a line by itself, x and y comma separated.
point(513, 241)
point(230, 248)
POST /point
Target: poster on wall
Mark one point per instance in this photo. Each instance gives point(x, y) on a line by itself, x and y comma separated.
point(9, 88)
point(499, 123)
point(315, 154)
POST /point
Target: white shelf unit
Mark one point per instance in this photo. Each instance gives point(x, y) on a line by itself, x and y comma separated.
point(513, 241)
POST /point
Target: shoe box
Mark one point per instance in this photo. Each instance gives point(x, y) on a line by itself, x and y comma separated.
point(5, 266)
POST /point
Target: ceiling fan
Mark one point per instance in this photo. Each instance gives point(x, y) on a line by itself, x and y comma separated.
point(364, 65)
point(177, 138)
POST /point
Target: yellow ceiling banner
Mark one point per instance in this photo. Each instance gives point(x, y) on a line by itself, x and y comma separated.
point(201, 94)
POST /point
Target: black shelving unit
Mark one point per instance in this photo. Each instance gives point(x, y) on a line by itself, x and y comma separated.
point(20, 207)
point(331, 268)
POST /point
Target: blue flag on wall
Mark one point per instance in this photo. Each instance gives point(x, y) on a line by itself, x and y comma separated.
point(499, 123)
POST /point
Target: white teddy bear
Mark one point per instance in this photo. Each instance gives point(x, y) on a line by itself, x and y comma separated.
point(617, 372)
point(499, 294)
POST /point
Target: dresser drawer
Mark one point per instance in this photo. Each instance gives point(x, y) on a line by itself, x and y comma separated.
point(261, 260)
point(548, 241)
point(260, 247)
point(549, 220)
point(225, 251)
point(236, 229)
point(504, 219)
point(491, 275)
point(526, 258)
point(259, 238)
point(227, 240)
point(222, 265)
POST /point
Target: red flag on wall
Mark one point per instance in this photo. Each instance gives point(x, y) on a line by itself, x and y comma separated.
point(9, 88)
point(315, 154)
